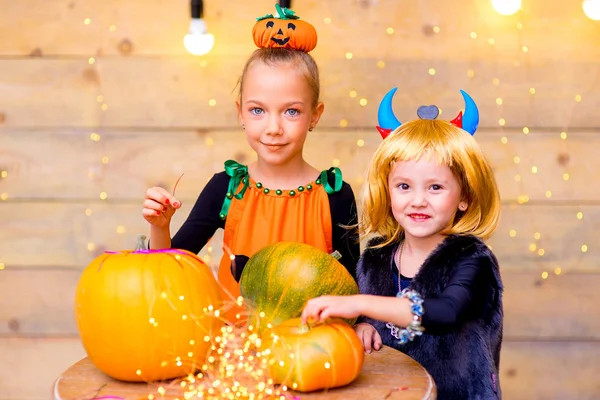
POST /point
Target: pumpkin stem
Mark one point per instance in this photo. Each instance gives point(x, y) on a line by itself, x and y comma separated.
point(279, 11)
point(336, 254)
point(141, 242)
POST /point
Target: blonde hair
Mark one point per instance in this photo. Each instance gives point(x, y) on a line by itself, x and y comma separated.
point(447, 145)
point(296, 58)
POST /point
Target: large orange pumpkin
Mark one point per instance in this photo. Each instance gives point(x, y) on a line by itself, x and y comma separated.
point(147, 315)
point(285, 30)
point(279, 279)
point(308, 358)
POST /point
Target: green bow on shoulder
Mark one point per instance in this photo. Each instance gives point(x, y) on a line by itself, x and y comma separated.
point(238, 173)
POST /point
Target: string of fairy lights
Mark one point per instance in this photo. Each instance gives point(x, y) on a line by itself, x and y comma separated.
point(236, 350)
point(524, 52)
point(535, 241)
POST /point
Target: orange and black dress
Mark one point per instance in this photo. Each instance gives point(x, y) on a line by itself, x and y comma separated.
point(254, 216)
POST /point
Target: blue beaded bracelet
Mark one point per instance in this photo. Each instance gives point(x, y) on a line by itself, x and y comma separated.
point(414, 329)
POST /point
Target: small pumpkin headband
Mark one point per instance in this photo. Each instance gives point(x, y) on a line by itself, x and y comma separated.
point(388, 122)
point(285, 30)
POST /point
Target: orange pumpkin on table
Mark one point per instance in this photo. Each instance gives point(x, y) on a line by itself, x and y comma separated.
point(147, 315)
point(308, 358)
point(284, 30)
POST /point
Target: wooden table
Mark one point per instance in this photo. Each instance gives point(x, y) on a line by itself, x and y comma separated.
point(386, 374)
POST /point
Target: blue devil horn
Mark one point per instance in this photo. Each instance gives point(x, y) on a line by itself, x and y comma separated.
point(385, 115)
point(470, 119)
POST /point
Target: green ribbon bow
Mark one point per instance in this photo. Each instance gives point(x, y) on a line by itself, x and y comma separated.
point(238, 173)
point(282, 13)
point(337, 185)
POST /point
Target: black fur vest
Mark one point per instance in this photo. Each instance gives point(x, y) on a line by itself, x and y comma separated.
point(464, 362)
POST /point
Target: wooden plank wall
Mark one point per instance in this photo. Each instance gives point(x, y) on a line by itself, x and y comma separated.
point(116, 106)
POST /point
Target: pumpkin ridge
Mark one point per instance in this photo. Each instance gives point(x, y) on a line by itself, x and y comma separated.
point(350, 340)
point(332, 367)
point(281, 299)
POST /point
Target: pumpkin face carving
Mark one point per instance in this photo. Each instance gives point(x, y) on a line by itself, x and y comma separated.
point(285, 31)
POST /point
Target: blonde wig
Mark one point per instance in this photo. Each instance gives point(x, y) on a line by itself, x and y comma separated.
point(448, 145)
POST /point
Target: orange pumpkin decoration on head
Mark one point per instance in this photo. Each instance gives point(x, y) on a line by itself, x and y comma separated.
point(284, 31)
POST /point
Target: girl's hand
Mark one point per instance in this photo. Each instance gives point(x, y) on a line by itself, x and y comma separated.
point(369, 336)
point(321, 308)
point(159, 206)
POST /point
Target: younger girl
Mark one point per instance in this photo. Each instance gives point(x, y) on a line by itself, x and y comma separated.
point(430, 287)
point(280, 197)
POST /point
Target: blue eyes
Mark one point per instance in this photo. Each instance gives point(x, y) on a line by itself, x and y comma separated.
point(292, 112)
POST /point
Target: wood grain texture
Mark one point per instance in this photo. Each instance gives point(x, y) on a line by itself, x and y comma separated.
point(67, 164)
point(60, 234)
point(39, 302)
point(158, 28)
point(175, 92)
point(378, 379)
point(29, 367)
point(550, 370)
point(529, 370)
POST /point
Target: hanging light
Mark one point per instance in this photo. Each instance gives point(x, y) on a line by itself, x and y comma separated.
point(506, 7)
point(198, 41)
point(591, 8)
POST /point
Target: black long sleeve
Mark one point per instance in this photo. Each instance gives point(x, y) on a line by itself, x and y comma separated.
point(203, 221)
point(344, 232)
point(463, 295)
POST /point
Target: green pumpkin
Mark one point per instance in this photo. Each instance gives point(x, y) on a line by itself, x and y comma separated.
point(279, 280)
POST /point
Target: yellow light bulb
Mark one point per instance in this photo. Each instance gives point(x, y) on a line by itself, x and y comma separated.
point(591, 9)
point(198, 41)
point(506, 7)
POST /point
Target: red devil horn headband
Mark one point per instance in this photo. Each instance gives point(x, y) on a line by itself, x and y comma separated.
point(388, 122)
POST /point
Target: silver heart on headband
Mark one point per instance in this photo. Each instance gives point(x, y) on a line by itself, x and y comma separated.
point(469, 121)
